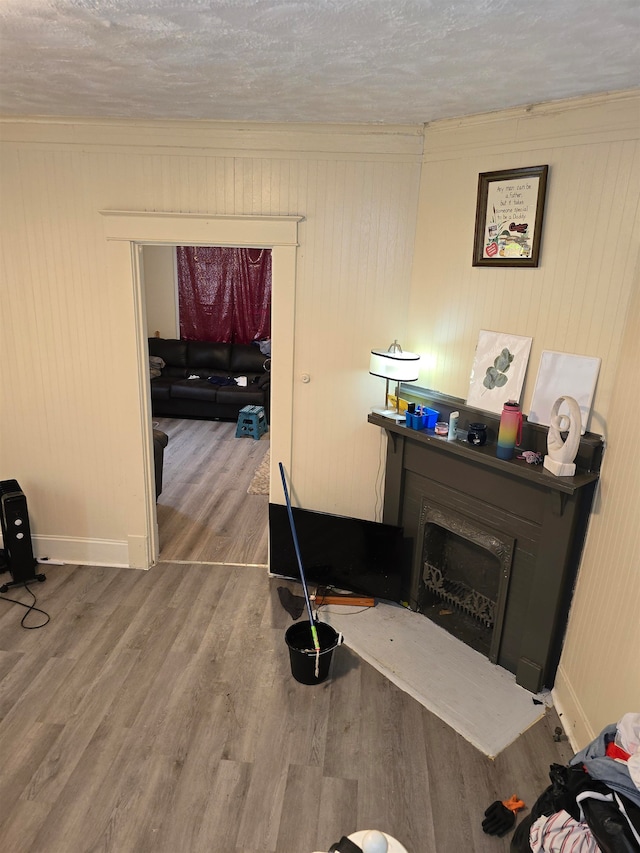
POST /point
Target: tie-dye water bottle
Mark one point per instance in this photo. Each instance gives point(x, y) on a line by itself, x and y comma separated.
point(510, 432)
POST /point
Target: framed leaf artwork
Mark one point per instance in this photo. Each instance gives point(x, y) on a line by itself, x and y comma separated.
point(498, 371)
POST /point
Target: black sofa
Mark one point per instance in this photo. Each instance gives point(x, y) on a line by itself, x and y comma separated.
point(175, 394)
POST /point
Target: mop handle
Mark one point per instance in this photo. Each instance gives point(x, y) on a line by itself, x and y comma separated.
point(314, 633)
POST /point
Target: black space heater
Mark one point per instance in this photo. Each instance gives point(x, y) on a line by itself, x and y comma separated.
point(16, 535)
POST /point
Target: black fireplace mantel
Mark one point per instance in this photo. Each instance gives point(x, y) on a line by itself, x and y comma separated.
point(546, 517)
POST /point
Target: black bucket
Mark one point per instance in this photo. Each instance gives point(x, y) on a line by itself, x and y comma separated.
point(304, 659)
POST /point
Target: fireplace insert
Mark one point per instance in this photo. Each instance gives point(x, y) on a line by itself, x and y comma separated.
point(464, 577)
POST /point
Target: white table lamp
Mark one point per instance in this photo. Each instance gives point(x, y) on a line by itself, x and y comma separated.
point(397, 365)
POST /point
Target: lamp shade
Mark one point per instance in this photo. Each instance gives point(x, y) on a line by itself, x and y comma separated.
point(397, 366)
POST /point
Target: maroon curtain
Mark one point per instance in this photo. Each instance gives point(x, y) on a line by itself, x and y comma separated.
point(224, 294)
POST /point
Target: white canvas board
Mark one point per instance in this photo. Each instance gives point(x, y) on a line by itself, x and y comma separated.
point(498, 371)
point(562, 374)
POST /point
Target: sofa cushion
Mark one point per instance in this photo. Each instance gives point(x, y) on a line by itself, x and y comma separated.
point(246, 358)
point(161, 388)
point(194, 389)
point(208, 356)
point(170, 350)
point(240, 397)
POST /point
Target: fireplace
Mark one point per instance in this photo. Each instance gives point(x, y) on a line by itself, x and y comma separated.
point(464, 574)
point(493, 546)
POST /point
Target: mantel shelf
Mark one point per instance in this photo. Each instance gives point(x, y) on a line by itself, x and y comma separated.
point(486, 456)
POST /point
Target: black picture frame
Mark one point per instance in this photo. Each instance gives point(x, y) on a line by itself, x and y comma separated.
point(509, 215)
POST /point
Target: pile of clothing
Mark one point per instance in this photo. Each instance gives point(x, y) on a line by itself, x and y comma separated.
point(155, 366)
point(593, 803)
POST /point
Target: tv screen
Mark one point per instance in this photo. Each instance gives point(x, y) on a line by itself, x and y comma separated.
point(365, 557)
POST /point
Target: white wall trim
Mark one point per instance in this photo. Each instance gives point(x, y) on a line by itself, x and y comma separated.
point(523, 131)
point(197, 228)
point(124, 232)
point(228, 139)
point(562, 105)
point(82, 552)
point(572, 716)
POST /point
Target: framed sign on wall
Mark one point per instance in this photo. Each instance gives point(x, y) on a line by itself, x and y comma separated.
point(509, 215)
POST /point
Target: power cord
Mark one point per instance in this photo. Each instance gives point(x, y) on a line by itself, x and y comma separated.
point(31, 608)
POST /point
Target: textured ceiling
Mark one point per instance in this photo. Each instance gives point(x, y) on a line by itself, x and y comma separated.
point(392, 61)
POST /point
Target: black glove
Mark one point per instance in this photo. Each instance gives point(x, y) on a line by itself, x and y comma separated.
point(500, 817)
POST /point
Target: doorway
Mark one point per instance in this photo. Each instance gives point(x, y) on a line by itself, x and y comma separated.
point(126, 232)
point(209, 509)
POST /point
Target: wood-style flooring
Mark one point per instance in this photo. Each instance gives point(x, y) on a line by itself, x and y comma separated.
point(204, 512)
point(157, 713)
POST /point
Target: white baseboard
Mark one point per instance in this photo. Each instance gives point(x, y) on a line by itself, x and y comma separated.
point(572, 716)
point(82, 552)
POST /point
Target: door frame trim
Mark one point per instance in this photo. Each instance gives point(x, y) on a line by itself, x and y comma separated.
point(126, 232)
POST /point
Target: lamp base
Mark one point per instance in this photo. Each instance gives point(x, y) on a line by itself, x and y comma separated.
point(390, 413)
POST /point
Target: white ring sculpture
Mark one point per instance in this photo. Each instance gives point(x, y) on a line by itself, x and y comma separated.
point(561, 453)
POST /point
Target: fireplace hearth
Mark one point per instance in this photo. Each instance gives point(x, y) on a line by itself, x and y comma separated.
point(493, 545)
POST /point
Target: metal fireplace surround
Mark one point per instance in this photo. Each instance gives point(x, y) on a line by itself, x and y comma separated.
point(522, 527)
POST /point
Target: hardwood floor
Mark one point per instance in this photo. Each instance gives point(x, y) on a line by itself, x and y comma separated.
point(157, 712)
point(204, 511)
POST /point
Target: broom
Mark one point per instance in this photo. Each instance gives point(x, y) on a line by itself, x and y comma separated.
point(314, 632)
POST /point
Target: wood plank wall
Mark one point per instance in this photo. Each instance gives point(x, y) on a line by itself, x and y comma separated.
point(575, 301)
point(69, 371)
point(599, 675)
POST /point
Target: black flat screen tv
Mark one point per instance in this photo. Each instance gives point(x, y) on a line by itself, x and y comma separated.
point(364, 557)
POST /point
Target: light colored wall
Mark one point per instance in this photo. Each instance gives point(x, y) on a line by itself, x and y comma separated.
point(599, 674)
point(583, 299)
point(575, 301)
point(69, 373)
point(160, 290)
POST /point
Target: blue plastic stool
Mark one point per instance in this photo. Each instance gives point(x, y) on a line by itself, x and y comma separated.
point(251, 421)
